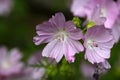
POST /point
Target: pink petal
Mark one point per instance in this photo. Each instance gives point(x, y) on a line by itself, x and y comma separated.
point(69, 26)
point(93, 57)
point(58, 20)
point(116, 30)
point(88, 56)
point(73, 32)
point(75, 45)
point(42, 39)
point(46, 27)
point(70, 53)
point(15, 55)
point(54, 50)
point(102, 52)
point(107, 45)
point(99, 33)
point(95, 16)
point(112, 13)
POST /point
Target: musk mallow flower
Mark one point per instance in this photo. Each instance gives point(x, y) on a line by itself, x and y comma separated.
point(98, 42)
point(62, 38)
point(33, 73)
point(5, 6)
point(106, 9)
point(109, 10)
point(10, 61)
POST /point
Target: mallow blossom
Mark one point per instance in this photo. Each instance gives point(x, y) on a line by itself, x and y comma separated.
point(5, 6)
point(106, 9)
point(98, 42)
point(10, 62)
point(33, 73)
point(62, 38)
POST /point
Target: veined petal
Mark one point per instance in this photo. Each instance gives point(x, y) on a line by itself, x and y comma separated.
point(69, 26)
point(46, 27)
point(88, 56)
point(93, 57)
point(41, 39)
point(54, 50)
point(70, 53)
point(99, 33)
point(103, 52)
point(74, 33)
point(107, 45)
point(58, 20)
point(75, 45)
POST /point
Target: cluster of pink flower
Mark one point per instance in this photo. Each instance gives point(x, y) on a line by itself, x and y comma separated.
point(63, 36)
point(11, 66)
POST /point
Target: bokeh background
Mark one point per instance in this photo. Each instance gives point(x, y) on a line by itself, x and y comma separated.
point(17, 29)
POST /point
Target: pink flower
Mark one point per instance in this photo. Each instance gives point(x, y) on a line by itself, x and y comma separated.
point(5, 6)
point(10, 62)
point(107, 9)
point(62, 38)
point(98, 41)
point(30, 71)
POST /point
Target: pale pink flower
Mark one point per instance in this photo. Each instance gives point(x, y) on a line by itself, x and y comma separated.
point(33, 73)
point(106, 9)
point(5, 6)
point(98, 42)
point(62, 38)
point(10, 62)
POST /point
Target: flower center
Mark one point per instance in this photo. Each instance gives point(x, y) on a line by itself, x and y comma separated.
point(6, 64)
point(61, 35)
point(103, 12)
point(91, 44)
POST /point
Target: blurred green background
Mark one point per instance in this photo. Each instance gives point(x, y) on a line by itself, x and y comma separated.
point(17, 29)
